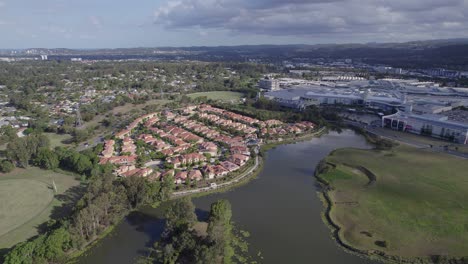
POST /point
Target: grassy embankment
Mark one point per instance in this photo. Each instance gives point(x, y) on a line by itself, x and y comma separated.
point(416, 207)
point(27, 201)
point(218, 95)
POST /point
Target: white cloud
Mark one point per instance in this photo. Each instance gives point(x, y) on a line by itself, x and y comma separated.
point(95, 21)
point(378, 19)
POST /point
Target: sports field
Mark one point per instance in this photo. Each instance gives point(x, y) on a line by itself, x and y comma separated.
point(27, 200)
point(218, 95)
point(417, 205)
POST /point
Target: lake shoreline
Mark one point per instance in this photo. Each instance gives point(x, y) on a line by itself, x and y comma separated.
point(261, 161)
point(297, 158)
point(336, 229)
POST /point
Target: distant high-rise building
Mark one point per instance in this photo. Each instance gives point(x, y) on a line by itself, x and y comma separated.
point(269, 84)
point(44, 57)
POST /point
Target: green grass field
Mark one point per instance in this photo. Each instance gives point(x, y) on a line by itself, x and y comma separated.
point(218, 95)
point(418, 204)
point(124, 109)
point(57, 140)
point(27, 200)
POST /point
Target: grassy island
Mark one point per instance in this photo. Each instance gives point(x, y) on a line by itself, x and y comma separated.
point(404, 203)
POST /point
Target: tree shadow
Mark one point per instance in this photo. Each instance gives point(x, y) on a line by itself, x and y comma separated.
point(3, 252)
point(68, 200)
point(202, 215)
point(152, 226)
point(67, 141)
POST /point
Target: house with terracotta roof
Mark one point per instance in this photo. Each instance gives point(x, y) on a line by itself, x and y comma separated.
point(244, 150)
point(168, 114)
point(160, 145)
point(167, 152)
point(229, 166)
point(130, 173)
point(209, 171)
point(208, 147)
point(180, 177)
point(119, 160)
point(124, 168)
point(168, 173)
point(238, 159)
point(151, 121)
point(128, 146)
point(123, 134)
point(108, 148)
point(144, 172)
point(195, 175)
point(156, 175)
point(220, 171)
point(273, 123)
point(175, 161)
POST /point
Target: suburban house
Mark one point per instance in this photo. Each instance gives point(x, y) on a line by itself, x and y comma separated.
point(195, 175)
point(208, 147)
point(229, 166)
point(108, 148)
point(238, 159)
point(209, 171)
point(180, 177)
point(119, 160)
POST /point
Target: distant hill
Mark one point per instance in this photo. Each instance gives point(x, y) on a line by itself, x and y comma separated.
point(447, 53)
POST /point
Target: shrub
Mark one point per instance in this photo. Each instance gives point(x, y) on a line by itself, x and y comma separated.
point(6, 166)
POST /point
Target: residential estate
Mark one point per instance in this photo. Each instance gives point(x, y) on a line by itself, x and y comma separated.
point(191, 144)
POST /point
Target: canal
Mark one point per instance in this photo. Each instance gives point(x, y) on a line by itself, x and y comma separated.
point(280, 209)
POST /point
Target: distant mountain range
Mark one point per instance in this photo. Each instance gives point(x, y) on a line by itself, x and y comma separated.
point(449, 53)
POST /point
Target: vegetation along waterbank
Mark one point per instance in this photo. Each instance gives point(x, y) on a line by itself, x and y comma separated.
point(399, 205)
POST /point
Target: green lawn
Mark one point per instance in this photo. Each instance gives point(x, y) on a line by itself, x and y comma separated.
point(59, 140)
point(122, 110)
point(218, 95)
point(27, 201)
point(418, 204)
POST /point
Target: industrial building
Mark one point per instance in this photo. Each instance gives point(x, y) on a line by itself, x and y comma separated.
point(436, 126)
point(319, 95)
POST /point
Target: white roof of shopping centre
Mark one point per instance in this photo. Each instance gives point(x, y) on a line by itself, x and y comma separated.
point(434, 119)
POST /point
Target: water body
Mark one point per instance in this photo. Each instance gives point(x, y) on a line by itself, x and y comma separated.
point(280, 209)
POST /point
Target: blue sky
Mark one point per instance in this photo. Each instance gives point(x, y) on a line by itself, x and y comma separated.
point(153, 23)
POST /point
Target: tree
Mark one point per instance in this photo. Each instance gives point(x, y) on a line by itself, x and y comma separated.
point(181, 213)
point(56, 244)
point(137, 190)
point(22, 150)
point(47, 159)
point(8, 134)
point(167, 187)
point(83, 164)
point(80, 135)
point(6, 166)
point(18, 151)
point(220, 229)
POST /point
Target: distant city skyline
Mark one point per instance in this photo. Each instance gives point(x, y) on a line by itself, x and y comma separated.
point(156, 23)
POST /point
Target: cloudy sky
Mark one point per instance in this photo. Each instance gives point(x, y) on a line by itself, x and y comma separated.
point(152, 23)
